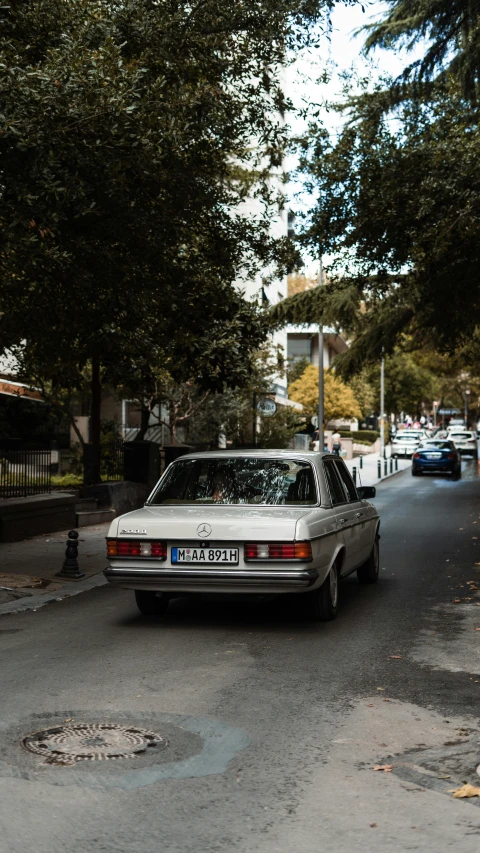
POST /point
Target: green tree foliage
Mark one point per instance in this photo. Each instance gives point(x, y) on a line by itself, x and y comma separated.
point(339, 399)
point(398, 208)
point(448, 30)
point(125, 149)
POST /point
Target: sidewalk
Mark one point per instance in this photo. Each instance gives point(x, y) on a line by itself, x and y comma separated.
point(28, 568)
point(367, 467)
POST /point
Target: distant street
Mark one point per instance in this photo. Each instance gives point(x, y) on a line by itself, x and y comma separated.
point(274, 723)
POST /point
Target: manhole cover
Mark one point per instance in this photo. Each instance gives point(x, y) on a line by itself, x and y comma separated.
point(91, 742)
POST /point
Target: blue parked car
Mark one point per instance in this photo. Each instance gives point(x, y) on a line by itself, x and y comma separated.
point(437, 456)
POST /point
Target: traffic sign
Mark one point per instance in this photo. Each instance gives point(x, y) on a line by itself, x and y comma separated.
point(266, 406)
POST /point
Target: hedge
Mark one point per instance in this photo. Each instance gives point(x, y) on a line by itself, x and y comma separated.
point(368, 435)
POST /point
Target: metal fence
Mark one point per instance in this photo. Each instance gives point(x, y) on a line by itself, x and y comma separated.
point(112, 460)
point(24, 472)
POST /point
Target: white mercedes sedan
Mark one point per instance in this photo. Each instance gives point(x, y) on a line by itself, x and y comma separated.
point(266, 521)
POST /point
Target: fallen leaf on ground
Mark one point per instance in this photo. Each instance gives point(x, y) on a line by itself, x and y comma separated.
point(465, 791)
point(370, 705)
point(385, 768)
point(386, 700)
point(477, 629)
point(68, 720)
point(380, 688)
point(396, 657)
point(474, 537)
point(373, 824)
point(443, 777)
point(457, 600)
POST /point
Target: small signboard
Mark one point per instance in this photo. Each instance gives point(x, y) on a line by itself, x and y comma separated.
point(449, 411)
point(266, 406)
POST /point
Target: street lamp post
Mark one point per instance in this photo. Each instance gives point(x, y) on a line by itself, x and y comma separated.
point(321, 378)
point(465, 398)
point(382, 404)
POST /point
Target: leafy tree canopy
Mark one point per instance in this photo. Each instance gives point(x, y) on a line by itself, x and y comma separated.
point(339, 399)
point(125, 153)
point(398, 210)
point(449, 28)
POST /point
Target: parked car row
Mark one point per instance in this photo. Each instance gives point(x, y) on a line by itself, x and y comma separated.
point(408, 442)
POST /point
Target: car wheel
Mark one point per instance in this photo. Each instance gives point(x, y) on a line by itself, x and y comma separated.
point(324, 601)
point(368, 571)
point(151, 603)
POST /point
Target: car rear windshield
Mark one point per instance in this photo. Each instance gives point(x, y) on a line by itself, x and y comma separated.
point(437, 445)
point(461, 435)
point(408, 438)
point(271, 482)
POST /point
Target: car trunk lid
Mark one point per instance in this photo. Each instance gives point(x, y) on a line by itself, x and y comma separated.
point(219, 523)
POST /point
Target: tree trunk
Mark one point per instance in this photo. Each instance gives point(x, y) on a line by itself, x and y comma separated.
point(172, 425)
point(96, 400)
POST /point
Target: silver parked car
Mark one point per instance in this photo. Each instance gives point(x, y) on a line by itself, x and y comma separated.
point(267, 521)
point(407, 441)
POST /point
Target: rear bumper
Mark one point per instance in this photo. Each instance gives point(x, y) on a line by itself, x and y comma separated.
point(214, 580)
point(446, 467)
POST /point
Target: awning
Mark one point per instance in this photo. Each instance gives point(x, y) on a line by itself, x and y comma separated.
point(18, 389)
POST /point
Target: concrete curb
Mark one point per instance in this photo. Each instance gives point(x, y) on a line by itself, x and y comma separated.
point(35, 602)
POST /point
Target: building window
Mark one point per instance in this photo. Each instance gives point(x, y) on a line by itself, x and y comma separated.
point(299, 346)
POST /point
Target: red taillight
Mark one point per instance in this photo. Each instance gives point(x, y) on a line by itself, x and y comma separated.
point(134, 548)
point(452, 455)
point(278, 551)
point(416, 456)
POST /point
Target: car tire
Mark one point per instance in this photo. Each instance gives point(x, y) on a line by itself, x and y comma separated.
point(369, 570)
point(151, 603)
point(324, 601)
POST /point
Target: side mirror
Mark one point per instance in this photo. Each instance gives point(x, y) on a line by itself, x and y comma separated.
point(366, 492)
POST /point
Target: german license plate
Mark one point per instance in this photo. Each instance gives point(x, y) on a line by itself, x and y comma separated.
point(205, 555)
point(433, 455)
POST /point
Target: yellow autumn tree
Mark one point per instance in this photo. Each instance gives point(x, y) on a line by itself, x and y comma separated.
point(339, 399)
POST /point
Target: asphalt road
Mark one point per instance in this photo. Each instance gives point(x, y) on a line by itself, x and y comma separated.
point(274, 723)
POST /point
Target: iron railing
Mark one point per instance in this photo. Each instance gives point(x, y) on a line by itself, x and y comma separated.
point(111, 464)
point(24, 472)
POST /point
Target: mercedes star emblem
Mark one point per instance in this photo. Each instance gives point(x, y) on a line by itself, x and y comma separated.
point(204, 530)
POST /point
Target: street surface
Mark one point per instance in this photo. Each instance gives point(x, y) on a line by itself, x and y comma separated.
point(274, 723)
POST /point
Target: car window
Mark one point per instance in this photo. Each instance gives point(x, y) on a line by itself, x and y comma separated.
point(334, 484)
point(408, 438)
point(461, 435)
point(346, 479)
point(440, 444)
point(237, 480)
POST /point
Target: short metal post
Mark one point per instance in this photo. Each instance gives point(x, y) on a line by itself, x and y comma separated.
point(391, 465)
point(70, 569)
point(396, 463)
point(385, 467)
point(379, 466)
point(384, 452)
point(361, 461)
point(354, 474)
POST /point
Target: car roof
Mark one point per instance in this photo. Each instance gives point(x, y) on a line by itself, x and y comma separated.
point(312, 455)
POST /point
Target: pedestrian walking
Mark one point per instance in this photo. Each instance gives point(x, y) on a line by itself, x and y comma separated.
point(336, 444)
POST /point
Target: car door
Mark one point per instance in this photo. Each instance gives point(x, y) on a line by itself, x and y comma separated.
point(363, 532)
point(345, 514)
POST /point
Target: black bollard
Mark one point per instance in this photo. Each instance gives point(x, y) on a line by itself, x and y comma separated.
point(396, 463)
point(385, 465)
point(354, 475)
point(379, 466)
point(391, 465)
point(361, 461)
point(70, 569)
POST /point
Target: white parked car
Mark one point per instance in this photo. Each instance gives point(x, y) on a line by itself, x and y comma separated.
point(406, 441)
point(465, 441)
point(267, 521)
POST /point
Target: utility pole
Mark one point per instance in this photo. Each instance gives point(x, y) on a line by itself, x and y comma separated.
point(321, 377)
point(382, 404)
